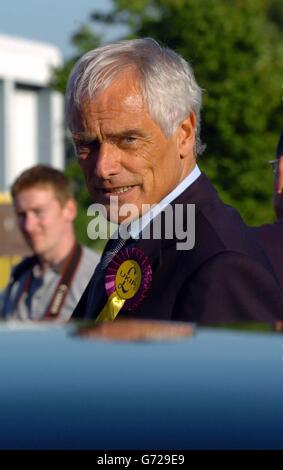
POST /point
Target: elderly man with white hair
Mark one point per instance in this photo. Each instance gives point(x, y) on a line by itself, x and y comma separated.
point(133, 108)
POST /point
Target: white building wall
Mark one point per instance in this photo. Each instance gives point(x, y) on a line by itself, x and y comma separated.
point(25, 131)
point(27, 61)
point(50, 128)
point(57, 130)
point(6, 131)
point(31, 114)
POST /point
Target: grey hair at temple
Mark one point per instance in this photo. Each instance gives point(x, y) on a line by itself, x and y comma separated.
point(166, 81)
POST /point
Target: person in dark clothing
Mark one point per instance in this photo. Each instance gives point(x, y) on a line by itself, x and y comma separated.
point(271, 235)
point(133, 108)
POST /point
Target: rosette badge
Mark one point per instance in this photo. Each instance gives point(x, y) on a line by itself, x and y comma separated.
point(127, 280)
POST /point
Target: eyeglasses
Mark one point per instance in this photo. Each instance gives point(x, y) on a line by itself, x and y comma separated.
point(274, 165)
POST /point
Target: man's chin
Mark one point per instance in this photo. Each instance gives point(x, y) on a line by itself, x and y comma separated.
point(35, 247)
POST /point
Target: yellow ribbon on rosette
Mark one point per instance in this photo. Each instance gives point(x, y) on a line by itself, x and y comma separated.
point(127, 280)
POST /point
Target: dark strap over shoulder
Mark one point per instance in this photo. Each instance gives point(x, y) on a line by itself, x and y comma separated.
point(18, 271)
point(25, 265)
point(62, 288)
point(64, 284)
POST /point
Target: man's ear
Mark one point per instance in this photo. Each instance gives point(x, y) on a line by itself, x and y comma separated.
point(187, 135)
point(70, 210)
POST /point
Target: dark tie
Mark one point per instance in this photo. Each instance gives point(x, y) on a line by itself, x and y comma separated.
point(95, 295)
point(112, 248)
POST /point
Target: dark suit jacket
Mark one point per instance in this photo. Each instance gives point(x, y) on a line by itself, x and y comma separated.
point(271, 239)
point(225, 277)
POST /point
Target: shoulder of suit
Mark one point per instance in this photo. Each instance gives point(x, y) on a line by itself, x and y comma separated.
point(277, 226)
point(21, 268)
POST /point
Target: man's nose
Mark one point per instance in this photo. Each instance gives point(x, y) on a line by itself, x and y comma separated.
point(108, 161)
point(28, 222)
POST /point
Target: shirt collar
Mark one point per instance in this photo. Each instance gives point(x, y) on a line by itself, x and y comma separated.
point(38, 270)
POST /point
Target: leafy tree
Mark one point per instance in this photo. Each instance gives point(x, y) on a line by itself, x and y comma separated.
point(236, 50)
point(83, 40)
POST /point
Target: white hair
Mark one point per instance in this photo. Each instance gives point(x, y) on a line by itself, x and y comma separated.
point(166, 81)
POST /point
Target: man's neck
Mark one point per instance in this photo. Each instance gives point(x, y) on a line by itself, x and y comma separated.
point(55, 257)
point(138, 225)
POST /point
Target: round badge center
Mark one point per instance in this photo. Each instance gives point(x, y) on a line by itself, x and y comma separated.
point(128, 279)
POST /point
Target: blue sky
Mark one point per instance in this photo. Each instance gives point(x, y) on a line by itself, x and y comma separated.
point(47, 20)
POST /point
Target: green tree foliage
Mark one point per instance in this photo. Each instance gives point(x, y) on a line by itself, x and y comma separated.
point(236, 50)
point(83, 40)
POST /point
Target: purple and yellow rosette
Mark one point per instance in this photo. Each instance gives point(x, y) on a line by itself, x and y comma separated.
point(127, 280)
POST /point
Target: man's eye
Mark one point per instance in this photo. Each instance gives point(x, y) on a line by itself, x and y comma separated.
point(39, 212)
point(82, 151)
point(128, 140)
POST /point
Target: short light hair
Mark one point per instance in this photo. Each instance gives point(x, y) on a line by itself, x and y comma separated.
point(44, 176)
point(166, 80)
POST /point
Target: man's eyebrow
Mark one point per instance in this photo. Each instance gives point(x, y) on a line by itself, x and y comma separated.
point(36, 207)
point(87, 138)
point(125, 133)
point(83, 138)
